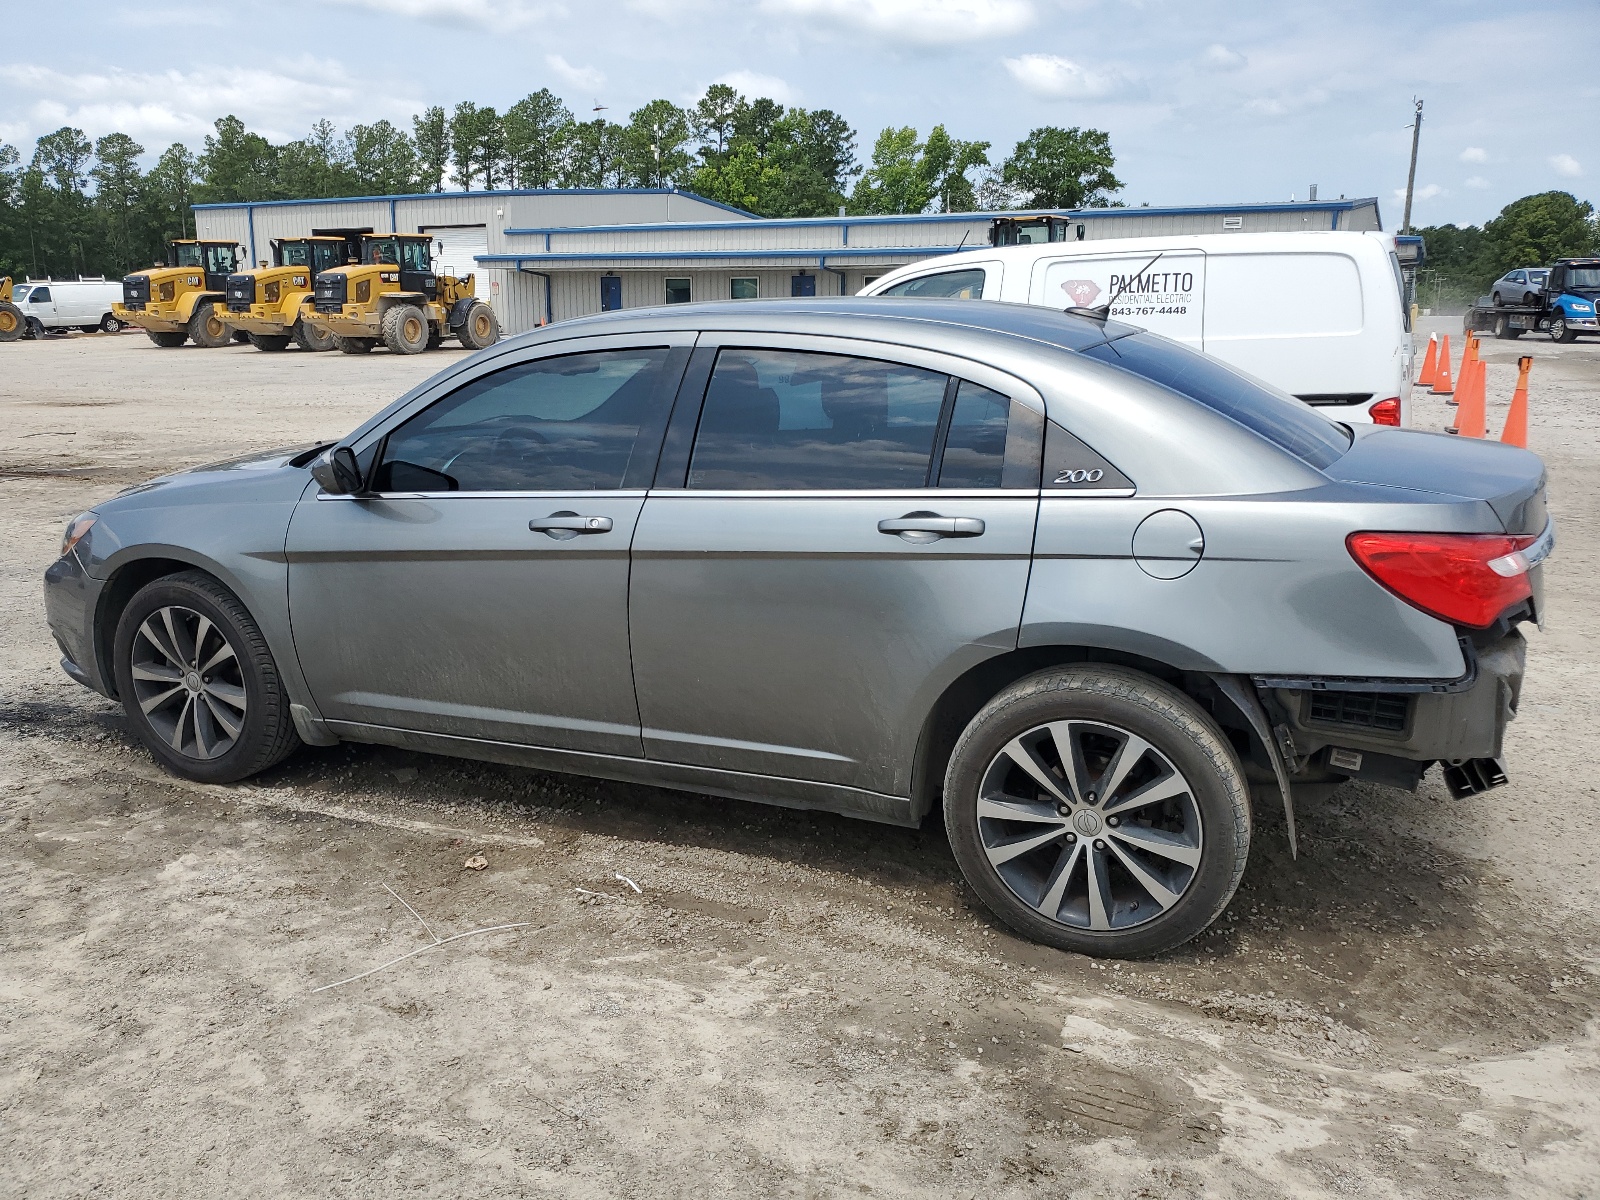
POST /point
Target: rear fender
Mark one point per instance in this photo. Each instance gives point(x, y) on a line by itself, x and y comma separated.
point(459, 310)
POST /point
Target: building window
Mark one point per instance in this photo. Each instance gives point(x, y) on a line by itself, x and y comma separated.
point(678, 291)
point(745, 287)
point(868, 280)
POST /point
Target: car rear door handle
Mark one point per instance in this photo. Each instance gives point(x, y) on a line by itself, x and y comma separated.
point(564, 525)
point(928, 527)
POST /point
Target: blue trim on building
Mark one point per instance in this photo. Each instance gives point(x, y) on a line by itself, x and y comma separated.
point(483, 195)
point(250, 218)
point(821, 253)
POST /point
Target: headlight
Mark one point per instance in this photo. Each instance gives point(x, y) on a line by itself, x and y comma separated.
point(76, 532)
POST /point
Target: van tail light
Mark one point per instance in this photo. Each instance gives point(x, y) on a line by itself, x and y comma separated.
point(1464, 578)
point(1386, 412)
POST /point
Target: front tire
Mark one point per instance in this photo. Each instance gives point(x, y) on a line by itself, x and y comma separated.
point(198, 682)
point(349, 345)
point(405, 329)
point(269, 341)
point(479, 328)
point(1560, 331)
point(206, 328)
point(12, 322)
point(1095, 809)
point(308, 337)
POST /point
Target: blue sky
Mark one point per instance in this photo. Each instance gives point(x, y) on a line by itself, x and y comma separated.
point(1205, 100)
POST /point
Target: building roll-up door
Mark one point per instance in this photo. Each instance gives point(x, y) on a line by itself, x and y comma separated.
point(458, 248)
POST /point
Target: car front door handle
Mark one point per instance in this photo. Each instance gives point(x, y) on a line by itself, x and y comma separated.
point(564, 525)
point(930, 527)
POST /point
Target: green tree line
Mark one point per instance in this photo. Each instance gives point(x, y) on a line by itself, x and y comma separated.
point(82, 206)
point(1463, 260)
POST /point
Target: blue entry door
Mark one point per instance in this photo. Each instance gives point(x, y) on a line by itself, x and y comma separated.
point(802, 285)
point(610, 293)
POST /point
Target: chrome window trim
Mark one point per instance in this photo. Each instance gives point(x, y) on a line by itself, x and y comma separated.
point(907, 494)
point(614, 494)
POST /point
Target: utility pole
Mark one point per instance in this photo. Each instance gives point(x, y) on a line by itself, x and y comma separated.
point(1411, 177)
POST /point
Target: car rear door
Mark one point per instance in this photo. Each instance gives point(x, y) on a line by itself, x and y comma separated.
point(481, 591)
point(839, 530)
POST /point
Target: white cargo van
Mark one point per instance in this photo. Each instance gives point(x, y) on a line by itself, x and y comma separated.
point(68, 304)
point(1319, 315)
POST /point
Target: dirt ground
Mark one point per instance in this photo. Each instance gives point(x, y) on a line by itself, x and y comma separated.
point(701, 996)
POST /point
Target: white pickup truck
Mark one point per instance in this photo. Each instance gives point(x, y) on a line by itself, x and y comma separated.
point(68, 304)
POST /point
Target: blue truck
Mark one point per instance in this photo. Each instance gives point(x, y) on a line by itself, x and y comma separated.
point(1568, 305)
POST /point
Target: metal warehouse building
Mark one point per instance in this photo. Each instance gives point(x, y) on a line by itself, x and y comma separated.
point(551, 255)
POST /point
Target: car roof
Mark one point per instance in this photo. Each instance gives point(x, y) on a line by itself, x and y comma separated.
point(874, 317)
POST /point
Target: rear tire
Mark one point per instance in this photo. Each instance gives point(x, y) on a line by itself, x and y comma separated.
point(269, 341)
point(1560, 331)
point(109, 324)
point(1085, 866)
point(309, 338)
point(479, 328)
point(166, 341)
point(349, 345)
point(12, 323)
point(1504, 330)
point(240, 336)
point(206, 328)
point(234, 722)
point(405, 329)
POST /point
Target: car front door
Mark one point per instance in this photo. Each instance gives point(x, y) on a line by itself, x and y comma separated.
point(481, 589)
point(850, 530)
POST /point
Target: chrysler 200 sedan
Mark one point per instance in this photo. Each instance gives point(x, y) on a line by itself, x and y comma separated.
point(1070, 582)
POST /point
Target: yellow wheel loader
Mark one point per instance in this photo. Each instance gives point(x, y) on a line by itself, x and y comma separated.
point(266, 305)
point(182, 299)
point(392, 295)
point(12, 323)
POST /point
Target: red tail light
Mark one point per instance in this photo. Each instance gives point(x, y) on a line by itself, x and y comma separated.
point(1386, 412)
point(1464, 578)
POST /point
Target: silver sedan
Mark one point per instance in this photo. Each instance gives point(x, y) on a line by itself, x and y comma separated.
point(1069, 584)
point(1521, 286)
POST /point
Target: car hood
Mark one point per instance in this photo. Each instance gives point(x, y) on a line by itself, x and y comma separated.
point(1511, 481)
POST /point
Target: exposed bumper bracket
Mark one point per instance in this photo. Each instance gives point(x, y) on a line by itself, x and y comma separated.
point(1474, 775)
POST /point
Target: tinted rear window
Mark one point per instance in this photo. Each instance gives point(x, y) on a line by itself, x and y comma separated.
point(1281, 420)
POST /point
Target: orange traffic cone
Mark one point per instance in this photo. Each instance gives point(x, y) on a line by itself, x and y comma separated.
point(1516, 431)
point(1430, 362)
point(1470, 396)
point(1441, 381)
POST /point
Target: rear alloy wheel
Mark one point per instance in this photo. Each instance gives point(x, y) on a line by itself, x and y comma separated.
point(308, 337)
point(206, 328)
point(109, 324)
point(405, 329)
point(165, 340)
point(1098, 810)
point(12, 323)
point(1560, 331)
point(198, 683)
point(479, 328)
point(269, 341)
point(351, 345)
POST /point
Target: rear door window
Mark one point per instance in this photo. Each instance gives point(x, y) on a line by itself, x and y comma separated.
point(1280, 419)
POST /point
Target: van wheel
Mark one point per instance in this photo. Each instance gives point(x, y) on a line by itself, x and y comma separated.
point(36, 329)
point(12, 323)
point(269, 341)
point(308, 337)
point(206, 328)
point(109, 324)
point(166, 340)
point(1095, 809)
point(351, 345)
point(198, 682)
point(479, 328)
point(1560, 331)
point(405, 329)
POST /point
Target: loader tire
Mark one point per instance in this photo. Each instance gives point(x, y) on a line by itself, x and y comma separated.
point(351, 345)
point(405, 329)
point(269, 341)
point(166, 341)
point(479, 327)
point(206, 328)
point(11, 322)
point(240, 336)
point(309, 338)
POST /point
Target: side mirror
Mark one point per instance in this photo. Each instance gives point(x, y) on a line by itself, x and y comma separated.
point(337, 472)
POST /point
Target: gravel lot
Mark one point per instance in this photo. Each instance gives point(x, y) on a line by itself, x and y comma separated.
point(791, 1003)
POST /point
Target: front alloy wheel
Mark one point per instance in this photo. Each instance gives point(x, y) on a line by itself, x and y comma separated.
point(187, 682)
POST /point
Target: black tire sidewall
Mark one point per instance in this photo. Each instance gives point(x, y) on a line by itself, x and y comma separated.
point(1170, 722)
point(265, 704)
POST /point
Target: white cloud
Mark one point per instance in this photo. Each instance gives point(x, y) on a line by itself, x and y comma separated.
point(1051, 77)
point(584, 78)
point(1475, 154)
point(1566, 165)
point(1220, 58)
point(486, 14)
point(1477, 183)
point(752, 84)
point(1427, 192)
point(917, 22)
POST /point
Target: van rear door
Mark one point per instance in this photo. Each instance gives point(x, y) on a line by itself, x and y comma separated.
point(1159, 290)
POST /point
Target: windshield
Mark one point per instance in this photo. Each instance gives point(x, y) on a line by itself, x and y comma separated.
point(18, 295)
point(1583, 277)
point(295, 254)
point(187, 255)
point(1275, 416)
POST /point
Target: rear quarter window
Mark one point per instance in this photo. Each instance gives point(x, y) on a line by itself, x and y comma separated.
point(1278, 418)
